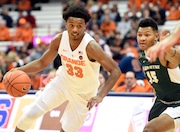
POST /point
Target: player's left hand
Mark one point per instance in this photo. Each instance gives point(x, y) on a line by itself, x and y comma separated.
point(94, 101)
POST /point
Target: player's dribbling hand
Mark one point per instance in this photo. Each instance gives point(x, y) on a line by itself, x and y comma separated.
point(94, 101)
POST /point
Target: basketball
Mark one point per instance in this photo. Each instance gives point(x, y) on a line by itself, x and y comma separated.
point(17, 83)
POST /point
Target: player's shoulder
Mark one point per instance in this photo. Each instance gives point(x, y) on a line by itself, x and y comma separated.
point(55, 41)
point(57, 37)
point(92, 45)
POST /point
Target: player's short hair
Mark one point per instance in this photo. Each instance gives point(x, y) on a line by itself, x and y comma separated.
point(148, 22)
point(76, 11)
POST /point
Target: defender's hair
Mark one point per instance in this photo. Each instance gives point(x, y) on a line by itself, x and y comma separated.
point(148, 22)
point(76, 11)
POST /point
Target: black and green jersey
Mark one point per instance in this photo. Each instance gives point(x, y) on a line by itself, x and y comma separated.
point(165, 81)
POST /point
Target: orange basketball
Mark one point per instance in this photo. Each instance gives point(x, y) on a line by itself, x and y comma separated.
point(17, 83)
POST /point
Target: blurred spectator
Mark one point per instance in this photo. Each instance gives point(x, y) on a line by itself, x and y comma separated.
point(116, 14)
point(5, 15)
point(13, 60)
point(145, 13)
point(134, 25)
point(103, 44)
point(115, 45)
point(107, 26)
point(130, 85)
point(164, 3)
point(125, 25)
point(24, 5)
point(35, 81)
point(155, 10)
point(103, 75)
point(160, 13)
point(93, 21)
point(4, 31)
point(24, 33)
point(133, 15)
point(3, 67)
point(107, 12)
point(21, 14)
point(147, 10)
point(169, 3)
point(111, 40)
point(134, 4)
point(95, 29)
point(90, 6)
point(174, 12)
point(131, 35)
point(129, 50)
point(31, 19)
point(100, 11)
point(23, 53)
point(2, 87)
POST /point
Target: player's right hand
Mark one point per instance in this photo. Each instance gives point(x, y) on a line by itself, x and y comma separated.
point(94, 101)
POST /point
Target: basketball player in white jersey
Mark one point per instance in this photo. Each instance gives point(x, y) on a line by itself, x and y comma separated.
point(76, 80)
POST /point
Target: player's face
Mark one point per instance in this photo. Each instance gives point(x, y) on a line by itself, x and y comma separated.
point(76, 27)
point(146, 37)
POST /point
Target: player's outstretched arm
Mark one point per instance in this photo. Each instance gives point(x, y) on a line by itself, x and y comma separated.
point(159, 50)
point(96, 53)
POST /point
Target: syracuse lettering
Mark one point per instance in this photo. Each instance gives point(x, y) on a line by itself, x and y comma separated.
point(145, 68)
point(72, 61)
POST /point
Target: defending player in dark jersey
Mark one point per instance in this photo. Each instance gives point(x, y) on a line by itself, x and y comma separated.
point(164, 76)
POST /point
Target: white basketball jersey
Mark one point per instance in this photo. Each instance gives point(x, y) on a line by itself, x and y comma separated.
point(77, 72)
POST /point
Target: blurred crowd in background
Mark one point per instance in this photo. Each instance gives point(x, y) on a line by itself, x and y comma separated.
point(115, 32)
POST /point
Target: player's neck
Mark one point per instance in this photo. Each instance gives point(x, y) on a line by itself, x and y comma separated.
point(75, 43)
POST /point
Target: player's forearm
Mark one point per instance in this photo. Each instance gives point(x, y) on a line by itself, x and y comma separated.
point(113, 77)
point(32, 67)
point(173, 55)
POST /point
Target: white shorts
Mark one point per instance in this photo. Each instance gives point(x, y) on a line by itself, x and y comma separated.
point(55, 94)
point(174, 112)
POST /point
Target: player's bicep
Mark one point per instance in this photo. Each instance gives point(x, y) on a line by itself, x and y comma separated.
point(95, 52)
